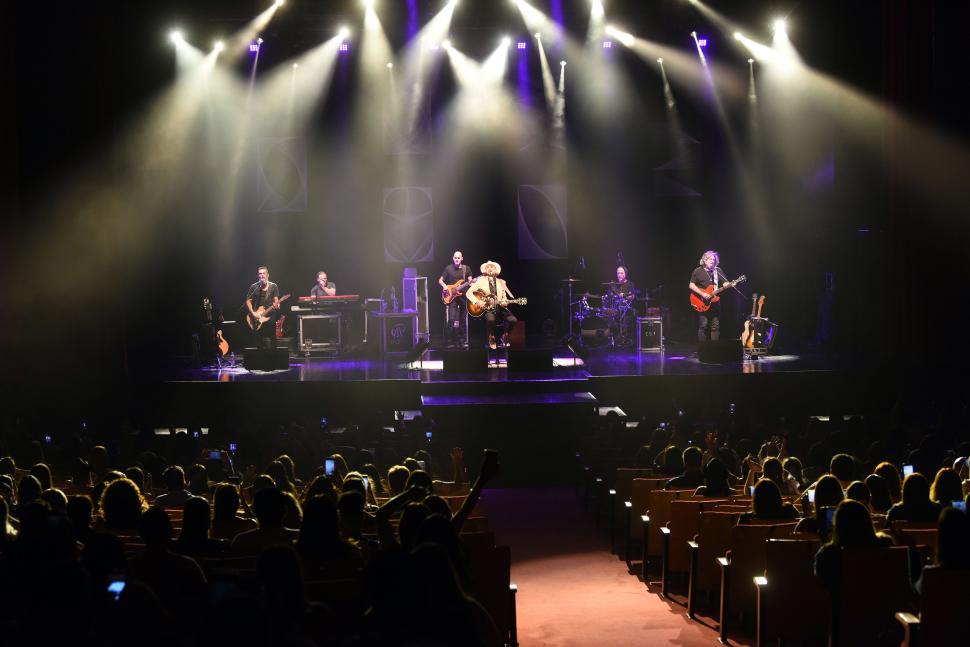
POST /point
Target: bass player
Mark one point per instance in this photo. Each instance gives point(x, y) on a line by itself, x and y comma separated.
point(454, 280)
point(266, 295)
point(490, 284)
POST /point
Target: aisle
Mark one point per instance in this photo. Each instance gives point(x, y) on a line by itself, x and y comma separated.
point(572, 591)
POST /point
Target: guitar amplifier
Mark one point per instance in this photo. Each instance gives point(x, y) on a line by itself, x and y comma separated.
point(650, 333)
point(398, 331)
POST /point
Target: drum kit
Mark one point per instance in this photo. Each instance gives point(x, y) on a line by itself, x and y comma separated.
point(605, 319)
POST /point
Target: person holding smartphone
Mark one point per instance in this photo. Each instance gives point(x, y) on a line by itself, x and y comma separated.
point(852, 529)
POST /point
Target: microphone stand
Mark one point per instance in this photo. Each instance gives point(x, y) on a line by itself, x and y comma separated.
point(727, 280)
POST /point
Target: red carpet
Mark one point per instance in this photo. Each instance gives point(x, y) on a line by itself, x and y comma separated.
point(572, 591)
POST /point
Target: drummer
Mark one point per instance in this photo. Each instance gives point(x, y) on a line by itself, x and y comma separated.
point(623, 290)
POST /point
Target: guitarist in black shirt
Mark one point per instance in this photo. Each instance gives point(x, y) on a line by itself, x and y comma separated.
point(454, 281)
point(704, 276)
point(262, 302)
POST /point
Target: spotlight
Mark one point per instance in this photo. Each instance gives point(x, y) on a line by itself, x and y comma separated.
point(296, 65)
point(390, 66)
point(343, 32)
point(521, 45)
point(344, 47)
point(279, 3)
point(702, 42)
point(779, 25)
point(219, 46)
point(562, 63)
point(259, 41)
point(253, 47)
point(693, 35)
point(446, 44)
point(738, 35)
point(368, 4)
point(660, 60)
point(607, 44)
point(538, 35)
point(176, 36)
point(751, 61)
point(506, 41)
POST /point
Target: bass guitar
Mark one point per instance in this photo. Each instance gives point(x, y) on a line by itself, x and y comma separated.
point(703, 305)
point(453, 291)
point(488, 303)
point(260, 316)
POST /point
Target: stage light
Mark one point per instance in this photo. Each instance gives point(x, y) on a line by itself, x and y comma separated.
point(344, 47)
point(779, 25)
point(219, 46)
point(390, 66)
point(660, 60)
point(259, 41)
point(607, 44)
point(751, 61)
point(538, 35)
point(176, 36)
point(562, 63)
point(521, 44)
point(368, 4)
point(296, 65)
point(693, 35)
point(506, 41)
point(738, 35)
point(343, 32)
point(446, 44)
point(279, 3)
point(702, 42)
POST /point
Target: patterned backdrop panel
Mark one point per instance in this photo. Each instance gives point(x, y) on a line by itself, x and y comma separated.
point(281, 175)
point(408, 224)
point(543, 221)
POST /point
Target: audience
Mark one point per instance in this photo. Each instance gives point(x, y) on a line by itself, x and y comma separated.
point(916, 506)
point(693, 475)
point(269, 506)
point(767, 505)
point(176, 493)
point(852, 529)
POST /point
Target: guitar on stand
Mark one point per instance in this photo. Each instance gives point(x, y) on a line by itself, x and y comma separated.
point(260, 316)
point(703, 305)
point(747, 336)
point(759, 333)
point(489, 302)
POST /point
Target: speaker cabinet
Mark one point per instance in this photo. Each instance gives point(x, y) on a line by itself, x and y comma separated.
point(721, 351)
point(266, 359)
point(474, 360)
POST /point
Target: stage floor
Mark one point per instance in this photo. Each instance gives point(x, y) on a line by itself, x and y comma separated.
point(676, 360)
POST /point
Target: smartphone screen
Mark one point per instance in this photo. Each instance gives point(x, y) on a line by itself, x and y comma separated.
point(366, 484)
point(232, 447)
point(215, 455)
point(328, 466)
point(829, 518)
point(907, 470)
point(811, 496)
point(960, 505)
point(115, 587)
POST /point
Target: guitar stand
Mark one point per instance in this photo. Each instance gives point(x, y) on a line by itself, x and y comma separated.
point(223, 362)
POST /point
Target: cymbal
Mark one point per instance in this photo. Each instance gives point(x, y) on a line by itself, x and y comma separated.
point(611, 283)
point(588, 295)
point(570, 280)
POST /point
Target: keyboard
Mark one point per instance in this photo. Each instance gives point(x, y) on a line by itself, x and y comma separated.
point(337, 301)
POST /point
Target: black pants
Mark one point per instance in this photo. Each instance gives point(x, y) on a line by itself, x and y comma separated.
point(266, 335)
point(709, 321)
point(507, 318)
point(455, 326)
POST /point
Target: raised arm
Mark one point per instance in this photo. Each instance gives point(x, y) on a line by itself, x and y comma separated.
point(488, 472)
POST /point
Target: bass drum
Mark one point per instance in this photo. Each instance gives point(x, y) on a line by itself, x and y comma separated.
point(595, 331)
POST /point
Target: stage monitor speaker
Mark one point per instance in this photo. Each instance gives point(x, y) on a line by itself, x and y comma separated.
point(474, 360)
point(721, 351)
point(533, 359)
point(264, 359)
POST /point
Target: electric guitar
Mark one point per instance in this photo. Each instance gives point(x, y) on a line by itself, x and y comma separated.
point(747, 337)
point(451, 292)
point(490, 302)
point(703, 305)
point(261, 315)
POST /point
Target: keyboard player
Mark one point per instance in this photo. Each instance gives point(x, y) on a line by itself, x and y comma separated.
point(323, 287)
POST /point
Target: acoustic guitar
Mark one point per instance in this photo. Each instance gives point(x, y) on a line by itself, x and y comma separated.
point(747, 337)
point(261, 315)
point(453, 291)
point(703, 305)
point(221, 344)
point(490, 302)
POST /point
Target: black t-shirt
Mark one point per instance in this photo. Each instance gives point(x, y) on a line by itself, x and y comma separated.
point(317, 291)
point(452, 274)
point(625, 288)
point(701, 277)
point(265, 297)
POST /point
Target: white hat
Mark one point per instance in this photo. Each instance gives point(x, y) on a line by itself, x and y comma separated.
point(498, 268)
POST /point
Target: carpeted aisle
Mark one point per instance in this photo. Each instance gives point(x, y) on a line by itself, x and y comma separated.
point(572, 591)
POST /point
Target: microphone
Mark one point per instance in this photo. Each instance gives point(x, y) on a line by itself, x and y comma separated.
point(582, 263)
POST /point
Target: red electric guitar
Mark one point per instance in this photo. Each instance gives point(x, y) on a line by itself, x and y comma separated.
point(703, 305)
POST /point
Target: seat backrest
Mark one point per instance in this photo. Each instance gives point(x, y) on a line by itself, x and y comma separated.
point(640, 490)
point(873, 584)
point(796, 605)
point(684, 524)
point(489, 575)
point(659, 510)
point(942, 605)
point(748, 560)
point(713, 539)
